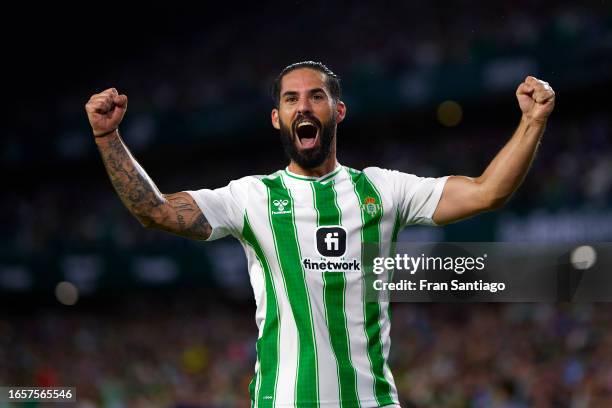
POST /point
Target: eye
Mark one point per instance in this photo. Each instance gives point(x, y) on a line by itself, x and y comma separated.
point(318, 97)
point(291, 99)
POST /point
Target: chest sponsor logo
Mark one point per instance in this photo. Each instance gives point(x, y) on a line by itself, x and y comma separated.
point(331, 241)
point(281, 207)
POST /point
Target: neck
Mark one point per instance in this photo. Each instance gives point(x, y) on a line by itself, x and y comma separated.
point(327, 167)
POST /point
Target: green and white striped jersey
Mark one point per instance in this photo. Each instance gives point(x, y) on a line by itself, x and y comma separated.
point(320, 343)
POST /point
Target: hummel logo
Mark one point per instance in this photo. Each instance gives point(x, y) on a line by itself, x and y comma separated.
point(281, 206)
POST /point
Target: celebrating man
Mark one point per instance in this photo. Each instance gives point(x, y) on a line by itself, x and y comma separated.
point(305, 230)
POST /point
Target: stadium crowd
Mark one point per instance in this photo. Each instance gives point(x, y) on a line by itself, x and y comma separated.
point(186, 352)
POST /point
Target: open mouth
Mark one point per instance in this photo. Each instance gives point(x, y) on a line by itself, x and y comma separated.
point(307, 132)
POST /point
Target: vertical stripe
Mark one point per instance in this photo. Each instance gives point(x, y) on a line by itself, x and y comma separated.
point(282, 211)
point(396, 230)
point(370, 241)
point(385, 305)
point(306, 216)
point(392, 252)
point(267, 345)
point(325, 198)
point(289, 347)
point(355, 310)
point(254, 384)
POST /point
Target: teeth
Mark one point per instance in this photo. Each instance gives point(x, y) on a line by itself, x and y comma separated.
point(306, 123)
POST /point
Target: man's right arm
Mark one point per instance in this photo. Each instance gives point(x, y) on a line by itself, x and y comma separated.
point(176, 213)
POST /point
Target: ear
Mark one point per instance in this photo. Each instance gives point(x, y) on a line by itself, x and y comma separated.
point(341, 111)
point(275, 121)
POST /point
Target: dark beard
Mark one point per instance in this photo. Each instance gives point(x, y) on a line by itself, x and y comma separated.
point(309, 158)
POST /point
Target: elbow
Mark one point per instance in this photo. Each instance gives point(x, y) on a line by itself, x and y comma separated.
point(156, 219)
point(146, 218)
point(145, 221)
point(491, 198)
point(150, 217)
point(497, 204)
point(493, 203)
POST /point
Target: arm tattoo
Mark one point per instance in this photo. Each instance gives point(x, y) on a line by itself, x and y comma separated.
point(177, 213)
point(133, 185)
point(189, 220)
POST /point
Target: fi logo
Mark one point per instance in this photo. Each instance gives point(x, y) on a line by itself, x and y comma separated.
point(331, 241)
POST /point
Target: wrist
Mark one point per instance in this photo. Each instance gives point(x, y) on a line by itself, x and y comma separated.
point(530, 120)
point(101, 135)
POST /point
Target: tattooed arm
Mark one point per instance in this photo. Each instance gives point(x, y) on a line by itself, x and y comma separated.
point(177, 213)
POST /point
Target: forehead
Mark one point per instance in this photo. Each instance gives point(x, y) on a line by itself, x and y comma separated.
point(303, 79)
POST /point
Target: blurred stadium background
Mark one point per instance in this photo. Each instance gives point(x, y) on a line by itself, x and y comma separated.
point(132, 317)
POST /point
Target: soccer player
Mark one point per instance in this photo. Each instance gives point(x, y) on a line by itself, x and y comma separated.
point(306, 229)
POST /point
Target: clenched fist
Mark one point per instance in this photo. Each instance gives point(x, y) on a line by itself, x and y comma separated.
point(536, 99)
point(105, 111)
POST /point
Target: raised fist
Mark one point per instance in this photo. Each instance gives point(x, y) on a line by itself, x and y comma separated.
point(105, 111)
point(536, 99)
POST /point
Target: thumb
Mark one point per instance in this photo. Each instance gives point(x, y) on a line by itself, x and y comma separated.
point(524, 89)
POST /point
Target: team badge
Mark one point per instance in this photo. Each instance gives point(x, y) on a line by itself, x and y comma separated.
point(370, 206)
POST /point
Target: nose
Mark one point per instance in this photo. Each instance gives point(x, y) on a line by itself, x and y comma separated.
point(304, 106)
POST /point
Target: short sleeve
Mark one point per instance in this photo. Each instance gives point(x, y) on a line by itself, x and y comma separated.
point(416, 197)
point(223, 207)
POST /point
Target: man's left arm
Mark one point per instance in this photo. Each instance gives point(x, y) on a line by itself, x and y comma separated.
point(464, 197)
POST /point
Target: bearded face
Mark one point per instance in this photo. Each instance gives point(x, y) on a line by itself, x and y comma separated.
point(307, 116)
point(308, 141)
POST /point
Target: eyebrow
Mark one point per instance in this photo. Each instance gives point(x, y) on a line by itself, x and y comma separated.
point(311, 91)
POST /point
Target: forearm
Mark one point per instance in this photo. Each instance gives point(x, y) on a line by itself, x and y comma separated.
point(464, 197)
point(135, 188)
point(508, 169)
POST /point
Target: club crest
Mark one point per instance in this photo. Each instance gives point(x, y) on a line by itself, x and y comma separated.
point(370, 206)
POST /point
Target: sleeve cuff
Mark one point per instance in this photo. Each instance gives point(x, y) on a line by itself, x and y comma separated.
point(208, 213)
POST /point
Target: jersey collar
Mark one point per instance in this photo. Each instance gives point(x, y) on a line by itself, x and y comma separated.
point(322, 178)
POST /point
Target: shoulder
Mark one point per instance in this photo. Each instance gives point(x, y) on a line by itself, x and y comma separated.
point(373, 175)
point(370, 177)
point(378, 175)
point(391, 180)
point(366, 172)
point(255, 184)
point(252, 181)
point(388, 176)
